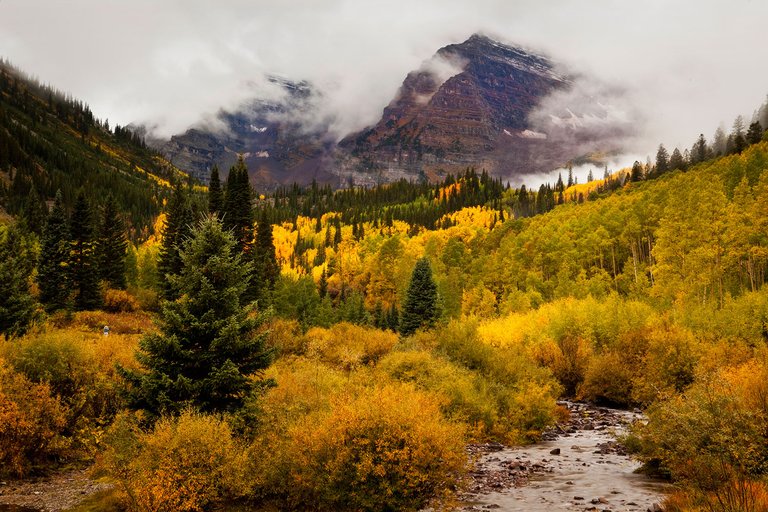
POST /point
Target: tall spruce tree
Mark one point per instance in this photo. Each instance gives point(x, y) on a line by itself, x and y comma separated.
point(18, 308)
point(266, 270)
point(238, 205)
point(52, 272)
point(111, 245)
point(755, 132)
point(420, 308)
point(215, 198)
point(676, 161)
point(209, 345)
point(662, 160)
point(178, 221)
point(83, 268)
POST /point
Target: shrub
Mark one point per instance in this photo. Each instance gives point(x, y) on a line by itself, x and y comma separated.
point(120, 301)
point(30, 422)
point(714, 436)
point(387, 449)
point(80, 370)
point(183, 464)
point(349, 346)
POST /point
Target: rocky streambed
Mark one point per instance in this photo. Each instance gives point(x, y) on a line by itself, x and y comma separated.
point(578, 466)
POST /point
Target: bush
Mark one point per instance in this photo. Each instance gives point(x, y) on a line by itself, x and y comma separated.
point(387, 449)
point(80, 370)
point(183, 464)
point(30, 423)
point(120, 301)
point(714, 435)
point(349, 346)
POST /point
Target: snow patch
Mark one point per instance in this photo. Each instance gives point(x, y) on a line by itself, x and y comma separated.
point(262, 154)
point(530, 134)
point(258, 129)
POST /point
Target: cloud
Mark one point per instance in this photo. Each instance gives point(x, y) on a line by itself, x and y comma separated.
point(688, 65)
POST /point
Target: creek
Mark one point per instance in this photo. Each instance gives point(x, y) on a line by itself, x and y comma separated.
point(580, 466)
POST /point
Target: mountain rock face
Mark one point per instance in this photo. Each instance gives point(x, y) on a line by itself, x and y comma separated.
point(475, 114)
point(478, 104)
point(276, 147)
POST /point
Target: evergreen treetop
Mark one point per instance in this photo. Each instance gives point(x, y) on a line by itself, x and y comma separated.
point(208, 348)
point(420, 308)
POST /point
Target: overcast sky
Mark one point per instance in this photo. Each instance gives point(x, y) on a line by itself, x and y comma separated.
point(689, 65)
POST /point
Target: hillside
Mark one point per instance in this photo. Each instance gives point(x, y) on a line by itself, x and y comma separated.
point(50, 141)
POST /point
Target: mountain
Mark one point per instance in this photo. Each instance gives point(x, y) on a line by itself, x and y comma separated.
point(50, 141)
point(476, 114)
point(276, 146)
point(479, 104)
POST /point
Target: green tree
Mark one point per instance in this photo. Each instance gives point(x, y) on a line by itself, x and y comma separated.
point(266, 270)
point(111, 245)
point(215, 198)
point(18, 308)
point(209, 345)
point(238, 208)
point(676, 161)
point(662, 160)
point(637, 172)
point(52, 270)
point(177, 228)
point(420, 308)
point(755, 133)
point(83, 267)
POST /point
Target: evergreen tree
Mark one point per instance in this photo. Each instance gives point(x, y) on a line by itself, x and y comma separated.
point(111, 246)
point(266, 270)
point(719, 142)
point(54, 258)
point(178, 219)
point(322, 286)
point(700, 151)
point(83, 267)
point(676, 161)
point(238, 207)
point(637, 172)
point(737, 141)
point(755, 133)
point(662, 160)
point(215, 198)
point(18, 308)
point(420, 308)
point(209, 345)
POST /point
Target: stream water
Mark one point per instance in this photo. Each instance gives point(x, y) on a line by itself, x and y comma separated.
point(582, 467)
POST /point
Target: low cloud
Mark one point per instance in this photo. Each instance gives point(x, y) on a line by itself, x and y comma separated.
point(686, 66)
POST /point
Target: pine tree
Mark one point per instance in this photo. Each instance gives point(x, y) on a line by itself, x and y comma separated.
point(83, 267)
point(238, 207)
point(209, 345)
point(111, 246)
point(52, 273)
point(178, 219)
point(18, 308)
point(755, 133)
point(420, 308)
point(322, 286)
point(215, 199)
point(662, 160)
point(719, 142)
point(637, 172)
point(700, 150)
point(676, 161)
point(266, 270)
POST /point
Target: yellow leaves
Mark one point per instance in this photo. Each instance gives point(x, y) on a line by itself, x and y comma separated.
point(183, 464)
point(474, 216)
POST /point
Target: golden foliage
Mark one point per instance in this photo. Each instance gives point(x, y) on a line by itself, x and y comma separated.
point(31, 421)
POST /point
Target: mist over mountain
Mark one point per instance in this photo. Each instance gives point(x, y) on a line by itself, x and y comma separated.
point(479, 104)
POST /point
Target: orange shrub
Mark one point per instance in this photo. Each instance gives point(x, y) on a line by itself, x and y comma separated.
point(120, 301)
point(183, 464)
point(30, 422)
point(387, 449)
